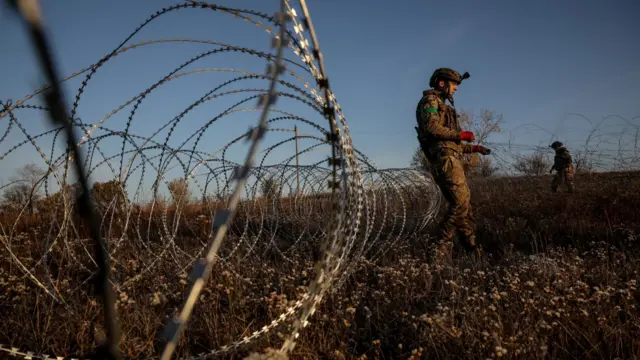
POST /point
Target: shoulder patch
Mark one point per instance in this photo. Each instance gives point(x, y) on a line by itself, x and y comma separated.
point(432, 100)
point(430, 109)
point(431, 104)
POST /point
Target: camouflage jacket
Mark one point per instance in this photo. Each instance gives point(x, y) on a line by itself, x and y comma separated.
point(562, 159)
point(438, 125)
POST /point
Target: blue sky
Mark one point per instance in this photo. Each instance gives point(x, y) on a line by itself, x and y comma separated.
point(535, 62)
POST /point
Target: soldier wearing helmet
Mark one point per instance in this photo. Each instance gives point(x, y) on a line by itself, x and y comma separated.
point(563, 165)
point(440, 138)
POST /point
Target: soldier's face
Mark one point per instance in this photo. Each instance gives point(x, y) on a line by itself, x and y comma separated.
point(449, 87)
point(453, 87)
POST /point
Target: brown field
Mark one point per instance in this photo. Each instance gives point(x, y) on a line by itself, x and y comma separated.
point(560, 281)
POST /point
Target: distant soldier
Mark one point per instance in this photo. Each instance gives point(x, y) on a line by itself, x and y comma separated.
point(440, 139)
point(563, 165)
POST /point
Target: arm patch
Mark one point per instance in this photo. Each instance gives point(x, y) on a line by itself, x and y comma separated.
point(430, 106)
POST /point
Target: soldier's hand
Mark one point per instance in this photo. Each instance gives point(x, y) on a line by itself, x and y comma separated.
point(481, 149)
point(467, 136)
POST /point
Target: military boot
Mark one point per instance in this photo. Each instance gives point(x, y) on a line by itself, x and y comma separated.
point(470, 242)
point(441, 253)
point(477, 254)
point(473, 249)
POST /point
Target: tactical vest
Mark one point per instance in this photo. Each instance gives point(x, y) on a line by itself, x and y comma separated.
point(429, 144)
point(563, 158)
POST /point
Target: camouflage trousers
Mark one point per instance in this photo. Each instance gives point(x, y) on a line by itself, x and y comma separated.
point(449, 174)
point(564, 176)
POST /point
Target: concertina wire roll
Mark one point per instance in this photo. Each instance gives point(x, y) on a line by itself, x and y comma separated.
point(342, 205)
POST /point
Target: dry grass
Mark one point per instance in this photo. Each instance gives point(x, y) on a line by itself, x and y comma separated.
point(561, 282)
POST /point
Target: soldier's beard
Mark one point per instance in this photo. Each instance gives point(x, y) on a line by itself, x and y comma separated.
point(446, 91)
point(450, 97)
point(448, 94)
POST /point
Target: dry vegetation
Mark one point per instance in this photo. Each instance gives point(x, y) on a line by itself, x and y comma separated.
point(560, 281)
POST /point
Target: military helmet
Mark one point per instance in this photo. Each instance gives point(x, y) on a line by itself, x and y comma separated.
point(448, 75)
point(556, 144)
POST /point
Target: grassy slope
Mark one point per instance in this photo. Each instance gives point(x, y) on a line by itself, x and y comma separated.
point(561, 281)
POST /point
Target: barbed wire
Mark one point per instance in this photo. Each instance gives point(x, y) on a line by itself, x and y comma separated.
point(340, 163)
point(598, 151)
point(248, 212)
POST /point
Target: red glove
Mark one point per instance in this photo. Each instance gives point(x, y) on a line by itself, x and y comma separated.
point(481, 149)
point(467, 136)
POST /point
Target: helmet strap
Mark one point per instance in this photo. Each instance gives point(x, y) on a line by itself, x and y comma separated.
point(445, 90)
